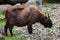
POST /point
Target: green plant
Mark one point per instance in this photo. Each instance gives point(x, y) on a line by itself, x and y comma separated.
point(15, 38)
point(15, 32)
point(1, 16)
point(47, 11)
point(2, 23)
point(51, 4)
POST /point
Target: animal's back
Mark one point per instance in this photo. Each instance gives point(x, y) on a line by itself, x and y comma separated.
point(24, 16)
point(27, 15)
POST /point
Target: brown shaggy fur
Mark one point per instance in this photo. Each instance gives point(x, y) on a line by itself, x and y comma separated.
point(25, 15)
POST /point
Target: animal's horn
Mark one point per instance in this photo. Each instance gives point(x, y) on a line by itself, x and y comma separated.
point(48, 15)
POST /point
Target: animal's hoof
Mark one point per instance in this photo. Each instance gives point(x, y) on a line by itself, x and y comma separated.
point(30, 32)
point(5, 34)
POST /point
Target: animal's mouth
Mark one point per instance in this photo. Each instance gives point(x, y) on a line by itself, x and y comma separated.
point(48, 26)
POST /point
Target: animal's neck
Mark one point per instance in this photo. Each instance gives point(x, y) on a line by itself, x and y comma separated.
point(42, 19)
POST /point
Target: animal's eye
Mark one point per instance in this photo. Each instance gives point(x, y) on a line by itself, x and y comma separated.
point(45, 17)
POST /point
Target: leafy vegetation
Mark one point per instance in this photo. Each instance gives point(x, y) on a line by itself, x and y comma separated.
point(15, 38)
point(51, 4)
point(1, 16)
point(2, 23)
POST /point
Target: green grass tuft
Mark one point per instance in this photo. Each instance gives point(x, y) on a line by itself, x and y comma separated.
point(51, 4)
point(15, 38)
point(2, 16)
point(2, 23)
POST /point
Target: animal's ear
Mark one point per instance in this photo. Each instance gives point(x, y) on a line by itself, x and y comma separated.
point(48, 16)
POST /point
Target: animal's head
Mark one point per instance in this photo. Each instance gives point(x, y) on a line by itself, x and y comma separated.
point(48, 22)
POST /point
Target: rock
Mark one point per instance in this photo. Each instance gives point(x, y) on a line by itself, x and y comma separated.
point(1, 37)
point(3, 7)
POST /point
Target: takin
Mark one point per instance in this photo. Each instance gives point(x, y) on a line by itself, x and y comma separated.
point(25, 15)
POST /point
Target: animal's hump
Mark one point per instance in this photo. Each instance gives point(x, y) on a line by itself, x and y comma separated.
point(33, 6)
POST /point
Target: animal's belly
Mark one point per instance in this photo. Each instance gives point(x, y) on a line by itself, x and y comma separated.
point(21, 22)
point(20, 25)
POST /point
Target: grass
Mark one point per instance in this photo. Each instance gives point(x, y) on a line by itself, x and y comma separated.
point(51, 4)
point(1, 16)
point(2, 23)
point(15, 38)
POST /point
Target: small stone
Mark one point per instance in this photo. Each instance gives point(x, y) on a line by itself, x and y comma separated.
point(1, 37)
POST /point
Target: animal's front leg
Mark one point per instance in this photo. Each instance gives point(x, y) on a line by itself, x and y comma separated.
point(11, 22)
point(5, 28)
point(30, 30)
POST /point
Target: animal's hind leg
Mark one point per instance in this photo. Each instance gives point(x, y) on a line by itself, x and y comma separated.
point(6, 27)
point(30, 30)
point(10, 26)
